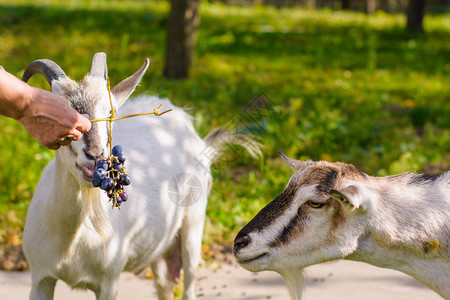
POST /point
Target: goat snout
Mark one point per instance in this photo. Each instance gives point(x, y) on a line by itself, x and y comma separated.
point(241, 242)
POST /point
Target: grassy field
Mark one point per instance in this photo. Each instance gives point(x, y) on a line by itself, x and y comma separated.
point(344, 86)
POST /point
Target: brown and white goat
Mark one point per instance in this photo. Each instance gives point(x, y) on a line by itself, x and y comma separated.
point(332, 211)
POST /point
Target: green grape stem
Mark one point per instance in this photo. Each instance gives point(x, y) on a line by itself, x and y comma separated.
point(112, 118)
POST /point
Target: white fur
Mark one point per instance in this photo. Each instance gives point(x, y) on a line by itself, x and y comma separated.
point(71, 232)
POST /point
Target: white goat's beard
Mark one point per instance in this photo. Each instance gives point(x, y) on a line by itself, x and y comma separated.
point(295, 281)
point(93, 210)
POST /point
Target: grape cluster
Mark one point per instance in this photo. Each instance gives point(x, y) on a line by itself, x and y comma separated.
point(110, 176)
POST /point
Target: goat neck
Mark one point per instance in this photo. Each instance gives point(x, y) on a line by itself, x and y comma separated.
point(409, 232)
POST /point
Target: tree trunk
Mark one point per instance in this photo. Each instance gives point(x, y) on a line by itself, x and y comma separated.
point(345, 4)
point(415, 14)
point(311, 4)
point(371, 6)
point(181, 37)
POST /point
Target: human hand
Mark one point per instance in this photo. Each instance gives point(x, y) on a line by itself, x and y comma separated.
point(49, 118)
point(45, 115)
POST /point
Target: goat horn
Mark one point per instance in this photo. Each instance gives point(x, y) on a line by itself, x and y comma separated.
point(294, 163)
point(46, 67)
point(98, 66)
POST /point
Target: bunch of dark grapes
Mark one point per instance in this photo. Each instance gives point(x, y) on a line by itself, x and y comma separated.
point(110, 176)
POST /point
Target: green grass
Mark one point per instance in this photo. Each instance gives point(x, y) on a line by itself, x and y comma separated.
point(348, 87)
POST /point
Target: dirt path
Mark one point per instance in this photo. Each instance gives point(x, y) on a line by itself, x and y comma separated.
point(341, 280)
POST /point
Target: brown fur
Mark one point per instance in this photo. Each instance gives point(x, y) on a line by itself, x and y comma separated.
point(327, 176)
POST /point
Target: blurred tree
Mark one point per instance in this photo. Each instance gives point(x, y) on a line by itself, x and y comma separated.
point(311, 3)
point(371, 6)
point(415, 14)
point(345, 4)
point(181, 37)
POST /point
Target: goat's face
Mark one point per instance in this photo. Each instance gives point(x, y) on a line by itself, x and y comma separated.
point(314, 220)
point(89, 97)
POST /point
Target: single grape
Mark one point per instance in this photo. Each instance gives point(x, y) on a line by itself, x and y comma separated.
point(117, 149)
point(96, 183)
point(100, 164)
point(123, 196)
point(121, 157)
point(103, 164)
point(125, 179)
point(99, 174)
point(107, 184)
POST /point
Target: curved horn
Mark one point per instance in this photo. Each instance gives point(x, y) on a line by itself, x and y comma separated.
point(98, 65)
point(294, 163)
point(46, 67)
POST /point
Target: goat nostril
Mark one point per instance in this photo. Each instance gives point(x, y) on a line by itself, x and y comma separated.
point(88, 155)
point(92, 155)
point(241, 242)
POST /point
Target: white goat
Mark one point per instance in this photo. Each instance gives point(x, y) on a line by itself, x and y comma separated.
point(71, 232)
point(334, 211)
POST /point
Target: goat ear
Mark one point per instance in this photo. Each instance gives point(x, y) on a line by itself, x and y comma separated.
point(356, 196)
point(98, 66)
point(124, 89)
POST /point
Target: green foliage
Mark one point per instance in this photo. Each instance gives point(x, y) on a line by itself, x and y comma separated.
point(349, 87)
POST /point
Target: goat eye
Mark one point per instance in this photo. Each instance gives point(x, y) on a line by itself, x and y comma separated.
point(314, 204)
